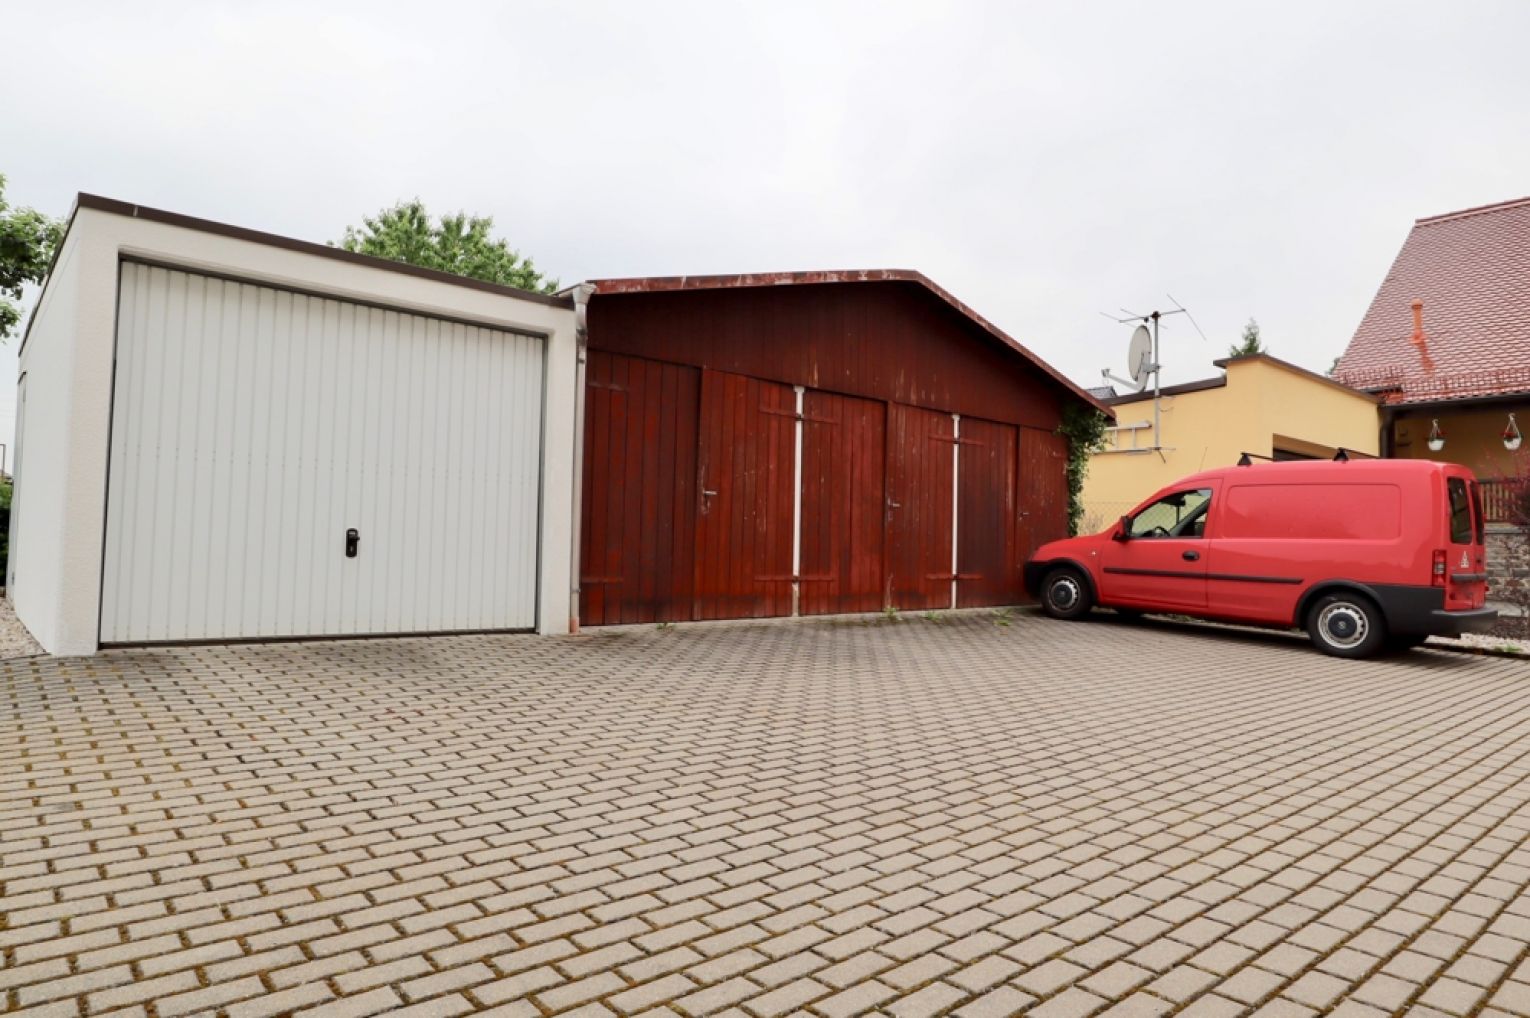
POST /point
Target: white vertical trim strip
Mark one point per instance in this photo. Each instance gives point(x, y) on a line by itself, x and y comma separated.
point(956, 483)
point(797, 506)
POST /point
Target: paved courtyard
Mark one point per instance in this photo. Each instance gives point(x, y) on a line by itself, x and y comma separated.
point(980, 814)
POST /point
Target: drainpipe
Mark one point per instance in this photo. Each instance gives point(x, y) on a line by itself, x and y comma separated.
point(581, 295)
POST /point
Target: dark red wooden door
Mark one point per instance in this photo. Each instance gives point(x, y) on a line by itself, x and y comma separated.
point(1043, 508)
point(844, 450)
point(920, 447)
point(987, 571)
point(639, 505)
point(745, 497)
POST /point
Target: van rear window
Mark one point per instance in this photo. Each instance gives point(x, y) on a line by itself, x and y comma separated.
point(1460, 511)
point(1312, 512)
point(1477, 512)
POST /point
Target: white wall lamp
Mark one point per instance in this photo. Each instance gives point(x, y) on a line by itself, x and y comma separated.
point(1511, 436)
point(1436, 436)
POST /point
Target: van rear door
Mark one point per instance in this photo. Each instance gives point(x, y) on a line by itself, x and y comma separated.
point(1466, 555)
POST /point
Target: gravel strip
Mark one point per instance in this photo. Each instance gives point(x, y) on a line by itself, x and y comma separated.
point(15, 641)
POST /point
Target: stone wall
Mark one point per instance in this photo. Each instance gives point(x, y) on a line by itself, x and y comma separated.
point(1507, 560)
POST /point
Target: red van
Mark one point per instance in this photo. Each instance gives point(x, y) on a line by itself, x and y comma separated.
point(1365, 555)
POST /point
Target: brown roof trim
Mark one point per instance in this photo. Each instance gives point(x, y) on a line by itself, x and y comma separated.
point(122, 208)
point(1179, 389)
point(1216, 383)
point(667, 284)
point(1296, 370)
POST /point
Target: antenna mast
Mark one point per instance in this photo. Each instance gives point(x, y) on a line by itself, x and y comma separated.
point(1142, 367)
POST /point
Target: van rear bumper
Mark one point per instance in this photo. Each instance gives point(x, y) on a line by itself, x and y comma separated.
point(1473, 620)
point(1421, 611)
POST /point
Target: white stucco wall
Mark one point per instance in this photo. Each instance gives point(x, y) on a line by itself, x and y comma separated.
point(38, 538)
point(67, 360)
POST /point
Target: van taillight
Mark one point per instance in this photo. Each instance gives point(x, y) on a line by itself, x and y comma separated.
point(1438, 576)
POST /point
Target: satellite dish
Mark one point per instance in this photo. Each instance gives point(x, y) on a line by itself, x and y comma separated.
point(1139, 355)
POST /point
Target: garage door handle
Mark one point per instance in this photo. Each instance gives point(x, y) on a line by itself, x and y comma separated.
point(707, 493)
point(1190, 556)
point(352, 539)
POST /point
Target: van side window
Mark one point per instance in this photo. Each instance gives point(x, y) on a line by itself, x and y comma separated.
point(1460, 511)
point(1182, 514)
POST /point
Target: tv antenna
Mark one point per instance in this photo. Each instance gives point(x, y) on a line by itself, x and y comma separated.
point(1142, 360)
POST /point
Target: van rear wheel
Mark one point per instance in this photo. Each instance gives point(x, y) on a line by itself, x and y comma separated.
point(1065, 594)
point(1346, 625)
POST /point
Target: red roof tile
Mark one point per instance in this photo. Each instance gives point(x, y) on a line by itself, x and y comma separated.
point(1471, 269)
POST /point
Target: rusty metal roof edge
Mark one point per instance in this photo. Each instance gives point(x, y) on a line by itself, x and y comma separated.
point(665, 284)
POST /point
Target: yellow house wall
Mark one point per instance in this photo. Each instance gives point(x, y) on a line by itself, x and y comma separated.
point(1260, 403)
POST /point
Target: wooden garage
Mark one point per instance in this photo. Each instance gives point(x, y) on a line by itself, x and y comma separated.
point(809, 443)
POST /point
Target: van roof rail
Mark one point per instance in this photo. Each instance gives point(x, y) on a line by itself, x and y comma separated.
point(1345, 455)
point(1246, 459)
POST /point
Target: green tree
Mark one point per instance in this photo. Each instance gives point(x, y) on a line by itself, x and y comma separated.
point(460, 244)
point(27, 240)
point(1250, 343)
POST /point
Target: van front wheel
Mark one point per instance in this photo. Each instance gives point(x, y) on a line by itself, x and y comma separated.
point(1346, 625)
point(1065, 594)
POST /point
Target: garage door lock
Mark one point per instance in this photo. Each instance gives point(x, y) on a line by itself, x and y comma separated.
point(352, 539)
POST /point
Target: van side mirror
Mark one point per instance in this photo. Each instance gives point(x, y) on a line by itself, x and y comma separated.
point(1124, 531)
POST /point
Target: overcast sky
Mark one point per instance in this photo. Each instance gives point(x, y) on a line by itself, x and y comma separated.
point(1043, 161)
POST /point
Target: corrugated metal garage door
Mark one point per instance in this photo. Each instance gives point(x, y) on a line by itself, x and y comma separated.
point(252, 427)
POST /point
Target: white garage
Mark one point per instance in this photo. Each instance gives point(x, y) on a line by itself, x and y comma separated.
point(227, 435)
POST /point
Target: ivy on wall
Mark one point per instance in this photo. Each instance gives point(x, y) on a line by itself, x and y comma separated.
point(1084, 428)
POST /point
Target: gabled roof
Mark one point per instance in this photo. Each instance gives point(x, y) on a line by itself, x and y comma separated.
point(660, 284)
point(1471, 269)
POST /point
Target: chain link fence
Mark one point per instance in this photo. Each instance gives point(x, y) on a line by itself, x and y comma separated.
point(1099, 515)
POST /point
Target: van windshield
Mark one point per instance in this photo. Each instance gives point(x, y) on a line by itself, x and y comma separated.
point(1460, 511)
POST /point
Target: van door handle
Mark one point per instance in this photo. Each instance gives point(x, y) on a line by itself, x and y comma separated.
point(1190, 556)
